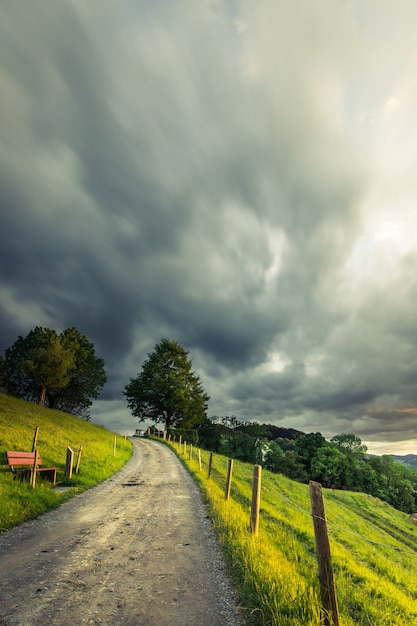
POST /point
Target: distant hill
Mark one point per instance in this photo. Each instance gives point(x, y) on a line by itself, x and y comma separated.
point(409, 459)
point(276, 432)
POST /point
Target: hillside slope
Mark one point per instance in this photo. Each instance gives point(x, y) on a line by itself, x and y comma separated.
point(373, 548)
point(57, 431)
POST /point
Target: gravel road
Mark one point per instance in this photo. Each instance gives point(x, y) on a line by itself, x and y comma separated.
point(137, 550)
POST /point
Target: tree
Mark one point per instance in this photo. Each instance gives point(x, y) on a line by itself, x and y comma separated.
point(350, 444)
point(60, 371)
point(49, 366)
point(88, 376)
point(307, 446)
point(167, 390)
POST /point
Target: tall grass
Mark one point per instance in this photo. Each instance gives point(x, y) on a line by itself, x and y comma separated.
point(373, 548)
point(57, 431)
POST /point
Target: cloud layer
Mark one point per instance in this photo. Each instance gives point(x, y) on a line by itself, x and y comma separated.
point(239, 176)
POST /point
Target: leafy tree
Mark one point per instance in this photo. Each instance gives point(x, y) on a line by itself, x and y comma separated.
point(49, 366)
point(351, 444)
point(3, 376)
point(60, 371)
point(307, 446)
point(167, 390)
point(274, 458)
point(209, 436)
point(331, 467)
point(87, 379)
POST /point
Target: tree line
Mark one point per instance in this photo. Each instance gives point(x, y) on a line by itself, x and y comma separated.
point(62, 371)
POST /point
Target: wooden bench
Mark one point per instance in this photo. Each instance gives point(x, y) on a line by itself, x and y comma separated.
point(21, 464)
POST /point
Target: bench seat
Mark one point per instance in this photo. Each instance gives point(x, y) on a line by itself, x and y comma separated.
point(21, 465)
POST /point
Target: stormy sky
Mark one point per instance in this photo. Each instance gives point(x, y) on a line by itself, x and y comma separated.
point(239, 176)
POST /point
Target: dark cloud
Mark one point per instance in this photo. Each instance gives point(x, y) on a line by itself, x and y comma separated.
point(238, 178)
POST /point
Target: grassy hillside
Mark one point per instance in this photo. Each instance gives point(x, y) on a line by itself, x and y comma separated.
point(373, 546)
point(57, 431)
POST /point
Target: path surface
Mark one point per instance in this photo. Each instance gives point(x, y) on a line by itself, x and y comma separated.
point(138, 550)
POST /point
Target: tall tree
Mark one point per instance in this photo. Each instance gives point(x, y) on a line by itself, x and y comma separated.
point(167, 390)
point(60, 371)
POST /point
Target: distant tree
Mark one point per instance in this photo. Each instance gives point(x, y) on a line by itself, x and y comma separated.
point(209, 436)
point(167, 390)
point(60, 371)
point(87, 379)
point(350, 444)
point(331, 468)
point(307, 447)
point(3, 377)
point(274, 458)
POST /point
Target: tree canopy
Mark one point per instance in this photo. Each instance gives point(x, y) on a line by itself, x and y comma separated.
point(60, 371)
point(167, 390)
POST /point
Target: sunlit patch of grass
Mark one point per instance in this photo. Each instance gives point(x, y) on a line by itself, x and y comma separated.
point(57, 431)
point(373, 550)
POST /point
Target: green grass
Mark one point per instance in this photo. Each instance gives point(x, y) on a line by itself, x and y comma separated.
point(57, 431)
point(373, 546)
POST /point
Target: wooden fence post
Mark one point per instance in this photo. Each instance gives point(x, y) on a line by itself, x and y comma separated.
point(191, 451)
point(35, 439)
point(328, 588)
point(228, 479)
point(210, 465)
point(179, 443)
point(69, 463)
point(256, 499)
point(33, 471)
point(185, 447)
point(77, 465)
point(199, 459)
point(114, 445)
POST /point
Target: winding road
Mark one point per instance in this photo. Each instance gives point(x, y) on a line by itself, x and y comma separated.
point(137, 550)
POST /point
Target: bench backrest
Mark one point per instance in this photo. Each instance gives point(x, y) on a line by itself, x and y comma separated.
point(21, 458)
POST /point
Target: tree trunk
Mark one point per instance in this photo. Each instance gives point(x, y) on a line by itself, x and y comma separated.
point(42, 396)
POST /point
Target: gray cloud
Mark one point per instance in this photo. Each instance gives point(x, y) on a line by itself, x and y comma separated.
point(239, 177)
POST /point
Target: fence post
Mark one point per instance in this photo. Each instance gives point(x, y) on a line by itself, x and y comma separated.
point(114, 445)
point(210, 465)
point(199, 459)
point(69, 462)
point(33, 472)
point(191, 451)
point(228, 479)
point(328, 588)
point(77, 465)
point(179, 443)
point(185, 448)
point(35, 439)
point(256, 499)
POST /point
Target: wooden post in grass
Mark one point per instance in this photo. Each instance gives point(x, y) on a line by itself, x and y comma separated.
point(77, 465)
point(33, 471)
point(185, 448)
point(179, 443)
point(256, 499)
point(69, 463)
point(35, 439)
point(210, 465)
point(199, 459)
point(114, 445)
point(328, 588)
point(228, 479)
point(164, 435)
point(191, 451)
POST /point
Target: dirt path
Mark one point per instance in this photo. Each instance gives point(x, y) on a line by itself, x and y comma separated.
point(136, 550)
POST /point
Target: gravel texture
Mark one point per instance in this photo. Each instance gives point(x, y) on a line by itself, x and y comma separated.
point(139, 550)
